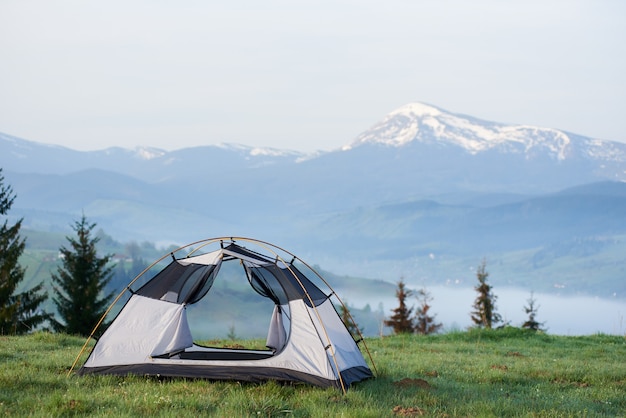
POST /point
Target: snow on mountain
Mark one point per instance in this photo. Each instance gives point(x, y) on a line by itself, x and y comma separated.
point(149, 153)
point(429, 124)
point(141, 153)
point(606, 150)
point(259, 151)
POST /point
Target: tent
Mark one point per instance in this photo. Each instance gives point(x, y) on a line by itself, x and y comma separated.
point(306, 339)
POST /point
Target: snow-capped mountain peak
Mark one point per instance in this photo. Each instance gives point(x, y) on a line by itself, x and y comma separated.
point(417, 109)
point(428, 124)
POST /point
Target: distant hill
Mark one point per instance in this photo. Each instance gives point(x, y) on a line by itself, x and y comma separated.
point(424, 193)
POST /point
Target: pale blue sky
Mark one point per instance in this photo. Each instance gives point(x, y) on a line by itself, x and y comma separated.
point(302, 75)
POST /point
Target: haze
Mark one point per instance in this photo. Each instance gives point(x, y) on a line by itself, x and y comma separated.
point(305, 75)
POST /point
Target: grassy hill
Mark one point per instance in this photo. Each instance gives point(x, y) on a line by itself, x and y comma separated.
point(508, 372)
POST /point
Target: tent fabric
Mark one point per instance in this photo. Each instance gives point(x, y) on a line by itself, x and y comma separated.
point(144, 328)
point(306, 340)
point(291, 283)
point(276, 336)
point(187, 281)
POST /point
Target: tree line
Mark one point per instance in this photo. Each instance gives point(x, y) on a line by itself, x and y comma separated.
point(79, 284)
point(483, 315)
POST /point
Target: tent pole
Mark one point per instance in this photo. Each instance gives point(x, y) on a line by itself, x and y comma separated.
point(346, 310)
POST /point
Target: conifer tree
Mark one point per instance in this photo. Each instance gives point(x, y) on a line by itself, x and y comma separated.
point(401, 321)
point(424, 322)
point(531, 311)
point(80, 283)
point(484, 314)
point(19, 312)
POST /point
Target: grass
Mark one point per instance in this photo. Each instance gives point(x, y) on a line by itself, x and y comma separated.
point(509, 372)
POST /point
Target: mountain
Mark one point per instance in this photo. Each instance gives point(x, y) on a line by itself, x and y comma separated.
point(144, 163)
point(424, 193)
point(431, 125)
point(489, 156)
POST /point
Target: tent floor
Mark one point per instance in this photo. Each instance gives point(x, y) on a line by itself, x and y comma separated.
point(225, 355)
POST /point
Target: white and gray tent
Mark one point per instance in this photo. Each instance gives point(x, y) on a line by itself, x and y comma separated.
point(306, 339)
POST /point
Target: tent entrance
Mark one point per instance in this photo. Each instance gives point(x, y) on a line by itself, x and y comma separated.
point(232, 316)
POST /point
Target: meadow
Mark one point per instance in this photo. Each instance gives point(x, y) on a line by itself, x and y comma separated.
point(506, 372)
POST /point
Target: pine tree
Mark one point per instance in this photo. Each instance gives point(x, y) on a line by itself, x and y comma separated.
point(531, 310)
point(401, 321)
point(484, 314)
point(424, 323)
point(19, 312)
point(80, 283)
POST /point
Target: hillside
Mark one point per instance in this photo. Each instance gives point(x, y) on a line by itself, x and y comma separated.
point(424, 193)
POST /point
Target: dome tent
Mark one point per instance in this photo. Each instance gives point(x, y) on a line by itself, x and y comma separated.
point(306, 340)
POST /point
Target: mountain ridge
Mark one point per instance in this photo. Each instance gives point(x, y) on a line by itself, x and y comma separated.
point(412, 122)
point(378, 206)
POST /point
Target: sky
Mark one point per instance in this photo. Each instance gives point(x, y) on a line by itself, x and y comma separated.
point(302, 75)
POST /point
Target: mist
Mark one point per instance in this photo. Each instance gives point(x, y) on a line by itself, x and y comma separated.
point(560, 315)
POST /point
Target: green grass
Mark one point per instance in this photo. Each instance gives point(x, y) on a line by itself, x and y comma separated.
point(509, 372)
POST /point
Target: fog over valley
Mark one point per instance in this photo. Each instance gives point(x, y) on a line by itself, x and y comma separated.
point(561, 315)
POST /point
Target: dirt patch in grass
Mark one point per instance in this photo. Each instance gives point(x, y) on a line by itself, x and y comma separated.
point(412, 411)
point(407, 382)
point(572, 383)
